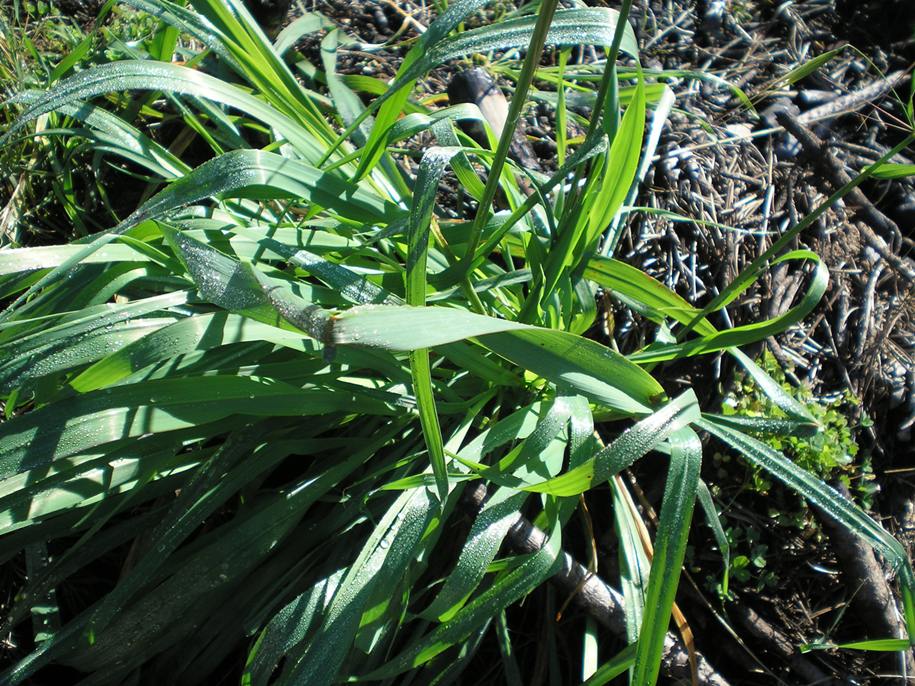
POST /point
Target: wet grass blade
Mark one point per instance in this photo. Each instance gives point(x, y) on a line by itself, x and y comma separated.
point(431, 169)
point(669, 550)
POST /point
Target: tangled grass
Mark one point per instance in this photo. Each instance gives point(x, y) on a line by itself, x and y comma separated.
point(265, 390)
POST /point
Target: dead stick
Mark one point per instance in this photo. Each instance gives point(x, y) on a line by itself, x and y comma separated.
point(816, 149)
point(776, 642)
point(853, 101)
point(865, 577)
point(595, 596)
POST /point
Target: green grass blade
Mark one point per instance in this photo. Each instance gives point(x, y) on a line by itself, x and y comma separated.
point(635, 284)
point(431, 169)
point(382, 561)
point(669, 550)
point(569, 27)
point(748, 333)
point(509, 588)
point(631, 445)
point(634, 565)
point(704, 496)
point(492, 524)
point(752, 271)
point(615, 666)
point(161, 76)
point(248, 171)
point(561, 357)
point(889, 170)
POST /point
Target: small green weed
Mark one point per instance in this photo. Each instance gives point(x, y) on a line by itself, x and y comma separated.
point(830, 454)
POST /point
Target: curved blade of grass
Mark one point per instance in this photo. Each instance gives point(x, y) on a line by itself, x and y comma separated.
point(269, 175)
point(508, 589)
point(669, 550)
point(569, 27)
point(810, 487)
point(310, 22)
point(752, 271)
point(113, 134)
point(287, 628)
point(778, 395)
point(200, 332)
point(188, 22)
point(491, 525)
point(632, 282)
point(634, 564)
point(646, 291)
point(579, 26)
point(443, 130)
point(169, 78)
point(589, 367)
point(417, 122)
point(625, 450)
point(748, 333)
point(84, 340)
point(704, 496)
point(71, 426)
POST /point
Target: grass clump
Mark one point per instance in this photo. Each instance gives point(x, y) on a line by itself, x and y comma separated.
point(262, 391)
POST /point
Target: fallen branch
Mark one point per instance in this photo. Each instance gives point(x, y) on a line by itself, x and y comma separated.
point(844, 104)
point(595, 596)
point(605, 604)
point(864, 575)
point(778, 644)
